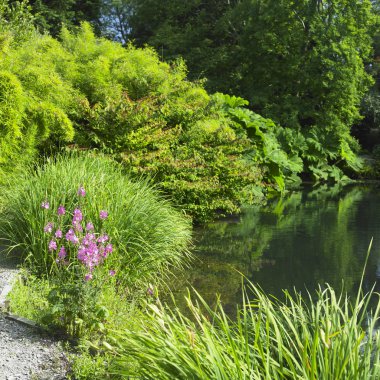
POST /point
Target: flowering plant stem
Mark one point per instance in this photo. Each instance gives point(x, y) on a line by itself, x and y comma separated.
point(80, 252)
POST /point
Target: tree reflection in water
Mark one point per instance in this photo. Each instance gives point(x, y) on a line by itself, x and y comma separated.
point(301, 241)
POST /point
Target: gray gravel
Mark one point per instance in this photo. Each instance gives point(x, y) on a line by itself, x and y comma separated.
point(25, 352)
point(7, 274)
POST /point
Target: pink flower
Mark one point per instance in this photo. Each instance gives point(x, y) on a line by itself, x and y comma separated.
point(70, 236)
point(81, 192)
point(48, 228)
point(70, 233)
point(88, 239)
point(77, 226)
point(103, 214)
point(102, 238)
point(62, 253)
point(89, 226)
point(61, 210)
point(45, 205)
point(81, 253)
point(91, 249)
point(78, 216)
point(52, 245)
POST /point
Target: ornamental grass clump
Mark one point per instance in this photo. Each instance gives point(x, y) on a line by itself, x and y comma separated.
point(149, 237)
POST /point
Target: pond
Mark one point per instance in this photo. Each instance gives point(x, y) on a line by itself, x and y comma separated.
point(301, 241)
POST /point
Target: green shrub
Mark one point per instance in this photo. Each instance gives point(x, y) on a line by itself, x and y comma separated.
point(19, 136)
point(16, 23)
point(144, 112)
point(149, 236)
point(322, 337)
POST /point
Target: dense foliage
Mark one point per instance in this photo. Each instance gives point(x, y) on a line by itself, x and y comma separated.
point(367, 130)
point(50, 16)
point(306, 73)
point(208, 151)
point(312, 59)
point(17, 136)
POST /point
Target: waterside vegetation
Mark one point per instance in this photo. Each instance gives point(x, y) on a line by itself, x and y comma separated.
point(321, 336)
point(109, 154)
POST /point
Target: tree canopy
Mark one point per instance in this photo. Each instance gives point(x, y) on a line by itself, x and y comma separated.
point(51, 15)
point(300, 63)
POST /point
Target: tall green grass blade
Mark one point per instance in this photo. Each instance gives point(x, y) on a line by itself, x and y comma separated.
point(314, 338)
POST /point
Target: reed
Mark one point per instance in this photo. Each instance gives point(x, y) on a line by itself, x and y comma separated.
point(326, 336)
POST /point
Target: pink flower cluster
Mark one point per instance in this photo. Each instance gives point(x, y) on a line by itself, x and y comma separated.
point(45, 205)
point(91, 249)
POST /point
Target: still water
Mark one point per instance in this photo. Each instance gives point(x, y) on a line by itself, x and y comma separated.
point(301, 241)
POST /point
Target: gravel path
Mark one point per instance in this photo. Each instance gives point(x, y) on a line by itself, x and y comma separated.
point(26, 353)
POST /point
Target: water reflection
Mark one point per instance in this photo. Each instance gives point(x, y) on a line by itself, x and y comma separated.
point(304, 240)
